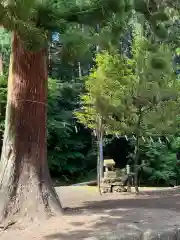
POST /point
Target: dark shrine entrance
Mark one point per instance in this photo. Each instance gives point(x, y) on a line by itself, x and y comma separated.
point(118, 150)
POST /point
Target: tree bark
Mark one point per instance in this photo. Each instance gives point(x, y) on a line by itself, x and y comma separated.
point(24, 176)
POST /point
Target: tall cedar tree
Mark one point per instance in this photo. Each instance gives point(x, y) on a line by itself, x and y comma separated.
point(24, 175)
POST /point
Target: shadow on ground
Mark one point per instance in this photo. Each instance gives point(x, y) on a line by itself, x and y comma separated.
point(149, 210)
point(168, 200)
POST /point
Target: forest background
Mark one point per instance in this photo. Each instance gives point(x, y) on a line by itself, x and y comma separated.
point(72, 149)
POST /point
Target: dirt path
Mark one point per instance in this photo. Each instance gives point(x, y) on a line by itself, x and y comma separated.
point(88, 213)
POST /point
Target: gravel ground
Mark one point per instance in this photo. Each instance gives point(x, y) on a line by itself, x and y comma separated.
point(88, 214)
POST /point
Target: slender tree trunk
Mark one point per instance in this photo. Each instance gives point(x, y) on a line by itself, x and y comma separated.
point(101, 156)
point(100, 138)
point(1, 65)
point(98, 168)
point(25, 182)
point(100, 152)
point(137, 145)
point(136, 183)
point(99, 163)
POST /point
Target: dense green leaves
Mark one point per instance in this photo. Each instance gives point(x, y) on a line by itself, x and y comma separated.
point(100, 99)
point(160, 163)
point(116, 88)
point(3, 95)
point(5, 49)
point(138, 95)
point(68, 148)
point(33, 20)
point(68, 143)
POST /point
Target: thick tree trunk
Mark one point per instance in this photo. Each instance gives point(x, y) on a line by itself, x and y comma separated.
point(24, 177)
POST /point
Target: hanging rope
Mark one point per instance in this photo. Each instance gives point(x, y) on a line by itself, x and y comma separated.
point(159, 139)
point(31, 101)
point(134, 137)
point(143, 139)
point(76, 130)
point(94, 131)
point(167, 139)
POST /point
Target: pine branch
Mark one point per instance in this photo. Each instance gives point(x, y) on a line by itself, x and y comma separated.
point(89, 14)
point(175, 4)
point(2, 12)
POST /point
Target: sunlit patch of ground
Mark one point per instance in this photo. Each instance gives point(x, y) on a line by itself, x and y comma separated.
point(88, 213)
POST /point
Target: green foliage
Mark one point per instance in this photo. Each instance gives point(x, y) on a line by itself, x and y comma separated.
point(100, 97)
point(154, 15)
point(77, 42)
point(3, 96)
point(137, 96)
point(69, 152)
point(160, 163)
point(5, 49)
point(123, 90)
point(154, 95)
point(107, 88)
point(67, 148)
point(5, 39)
point(33, 20)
